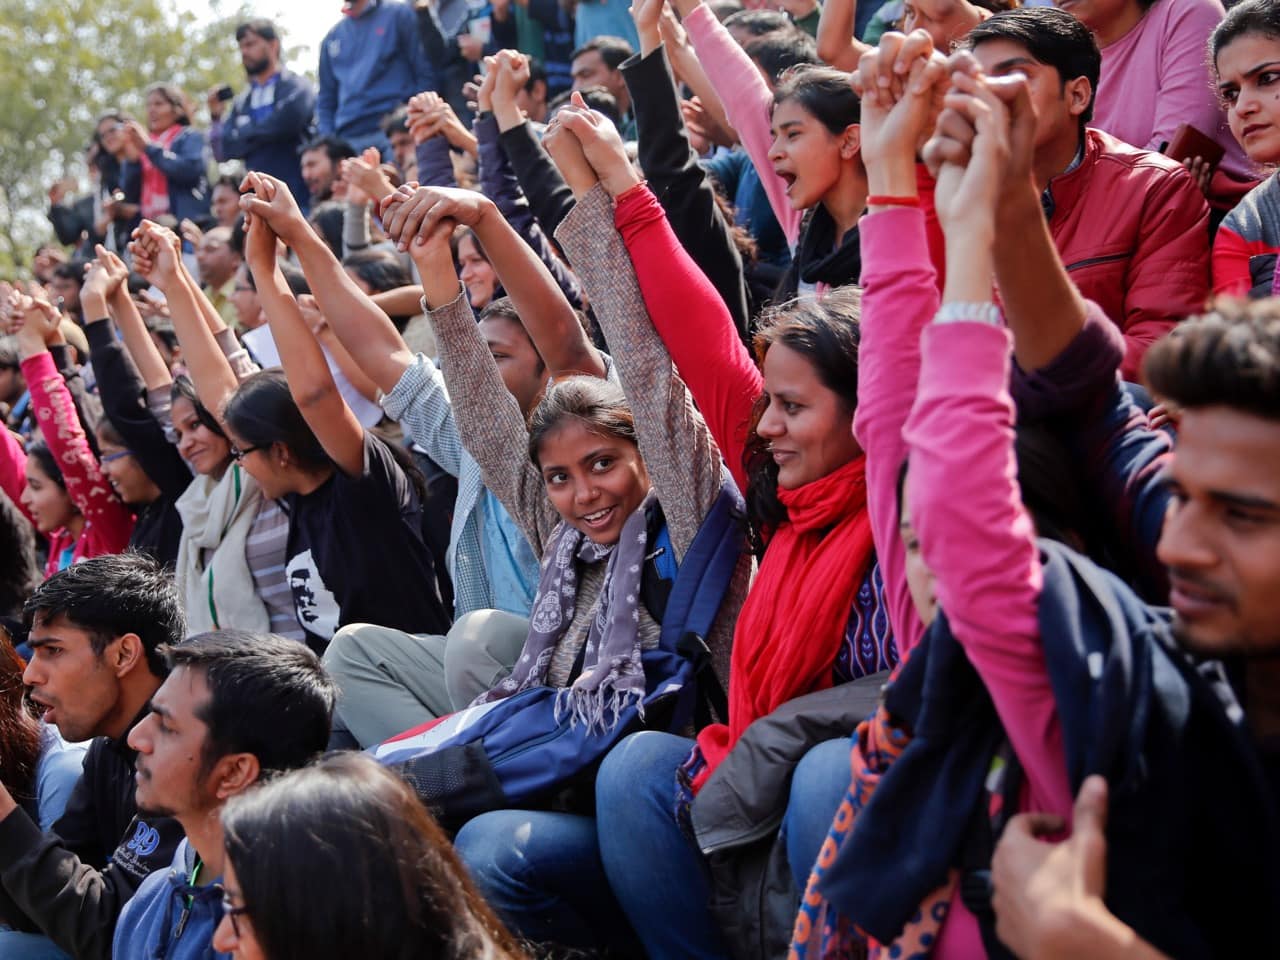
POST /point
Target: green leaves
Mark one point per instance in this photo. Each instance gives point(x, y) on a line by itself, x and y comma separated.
point(62, 64)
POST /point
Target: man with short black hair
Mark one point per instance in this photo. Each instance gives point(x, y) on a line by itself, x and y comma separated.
point(97, 629)
point(319, 166)
point(266, 123)
point(1130, 225)
point(235, 708)
point(598, 64)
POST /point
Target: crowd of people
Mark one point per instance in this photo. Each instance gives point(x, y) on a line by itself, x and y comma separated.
point(680, 480)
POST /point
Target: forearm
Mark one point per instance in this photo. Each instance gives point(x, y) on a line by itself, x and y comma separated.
point(694, 325)
point(211, 374)
point(137, 340)
point(836, 42)
point(359, 324)
point(683, 461)
point(545, 312)
point(400, 302)
point(489, 420)
point(1042, 307)
point(305, 367)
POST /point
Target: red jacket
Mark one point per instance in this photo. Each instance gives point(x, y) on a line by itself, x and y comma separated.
point(1132, 229)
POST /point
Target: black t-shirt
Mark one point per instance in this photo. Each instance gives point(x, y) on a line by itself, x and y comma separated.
point(356, 553)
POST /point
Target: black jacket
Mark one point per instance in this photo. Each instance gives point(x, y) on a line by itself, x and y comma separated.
point(72, 882)
point(124, 402)
point(737, 814)
point(680, 184)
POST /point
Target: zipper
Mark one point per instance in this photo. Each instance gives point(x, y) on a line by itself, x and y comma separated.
point(1094, 261)
point(526, 746)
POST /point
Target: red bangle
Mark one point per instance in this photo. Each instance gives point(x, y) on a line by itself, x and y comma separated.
point(887, 201)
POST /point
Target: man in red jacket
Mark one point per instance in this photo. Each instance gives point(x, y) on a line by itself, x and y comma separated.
point(1130, 225)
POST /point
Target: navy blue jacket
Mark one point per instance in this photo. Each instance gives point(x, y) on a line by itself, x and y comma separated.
point(1192, 839)
point(369, 65)
point(186, 168)
point(270, 145)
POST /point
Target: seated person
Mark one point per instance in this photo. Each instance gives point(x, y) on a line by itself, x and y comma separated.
point(1131, 226)
point(96, 631)
point(236, 708)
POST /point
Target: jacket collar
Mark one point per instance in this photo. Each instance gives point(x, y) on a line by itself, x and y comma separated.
point(1070, 182)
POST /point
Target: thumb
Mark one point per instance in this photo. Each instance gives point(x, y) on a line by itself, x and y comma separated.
point(1089, 830)
point(577, 101)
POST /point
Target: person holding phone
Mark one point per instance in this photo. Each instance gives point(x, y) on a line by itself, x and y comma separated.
point(272, 118)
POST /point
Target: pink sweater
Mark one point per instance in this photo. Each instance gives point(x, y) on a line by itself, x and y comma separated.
point(1156, 77)
point(108, 522)
point(748, 105)
point(966, 508)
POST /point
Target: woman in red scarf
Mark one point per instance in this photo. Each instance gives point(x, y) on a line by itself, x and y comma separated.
point(814, 617)
point(166, 161)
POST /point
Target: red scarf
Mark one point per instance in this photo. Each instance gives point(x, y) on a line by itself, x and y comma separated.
point(794, 619)
point(155, 185)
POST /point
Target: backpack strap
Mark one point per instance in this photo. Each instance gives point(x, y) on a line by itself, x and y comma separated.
point(703, 580)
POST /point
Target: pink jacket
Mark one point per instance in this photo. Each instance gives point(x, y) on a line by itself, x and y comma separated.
point(966, 508)
point(108, 522)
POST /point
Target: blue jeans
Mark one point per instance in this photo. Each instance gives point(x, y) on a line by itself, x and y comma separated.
point(542, 873)
point(28, 946)
point(819, 784)
point(659, 877)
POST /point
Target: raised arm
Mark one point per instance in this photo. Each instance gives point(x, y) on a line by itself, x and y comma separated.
point(746, 100)
point(122, 389)
point(61, 429)
point(899, 297)
point(963, 501)
point(310, 381)
point(552, 323)
point(674, 174)
point(508, 72)
point(548, 194)
point(488, 418)
point(836, 43)
point(682, 458)
point(156, 256)
point(137, 339)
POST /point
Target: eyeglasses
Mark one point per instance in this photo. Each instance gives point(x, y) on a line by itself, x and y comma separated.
point(238, 454)
point(233, 912)
point(112, 457)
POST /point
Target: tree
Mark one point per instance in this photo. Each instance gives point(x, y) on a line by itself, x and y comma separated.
point(67, 62)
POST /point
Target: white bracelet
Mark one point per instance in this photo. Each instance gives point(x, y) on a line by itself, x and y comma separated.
point(961, 312)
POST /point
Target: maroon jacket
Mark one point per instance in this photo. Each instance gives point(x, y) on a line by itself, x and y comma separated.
point(1132, 229)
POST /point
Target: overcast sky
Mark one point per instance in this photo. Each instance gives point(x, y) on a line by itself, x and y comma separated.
point(304, 23)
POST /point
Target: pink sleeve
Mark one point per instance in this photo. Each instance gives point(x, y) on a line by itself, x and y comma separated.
point(13, 469)
point(1185, 93)
point(60, 427)
point(978, 539)
point(747, 103)
point(899, 298)
point(694, 324)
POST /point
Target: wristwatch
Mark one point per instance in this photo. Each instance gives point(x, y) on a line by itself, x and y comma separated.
point(959, 311)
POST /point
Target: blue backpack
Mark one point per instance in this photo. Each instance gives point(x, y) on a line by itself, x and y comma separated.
point(514, 752)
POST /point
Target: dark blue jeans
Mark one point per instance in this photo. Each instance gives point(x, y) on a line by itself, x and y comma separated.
point(28, 946)
point(659, 877)
point(542, 873)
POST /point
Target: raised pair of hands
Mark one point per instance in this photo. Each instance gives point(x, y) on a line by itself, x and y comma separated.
point(30, 318)
point(976, 133)
point(584, 145)
point(366, 177)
